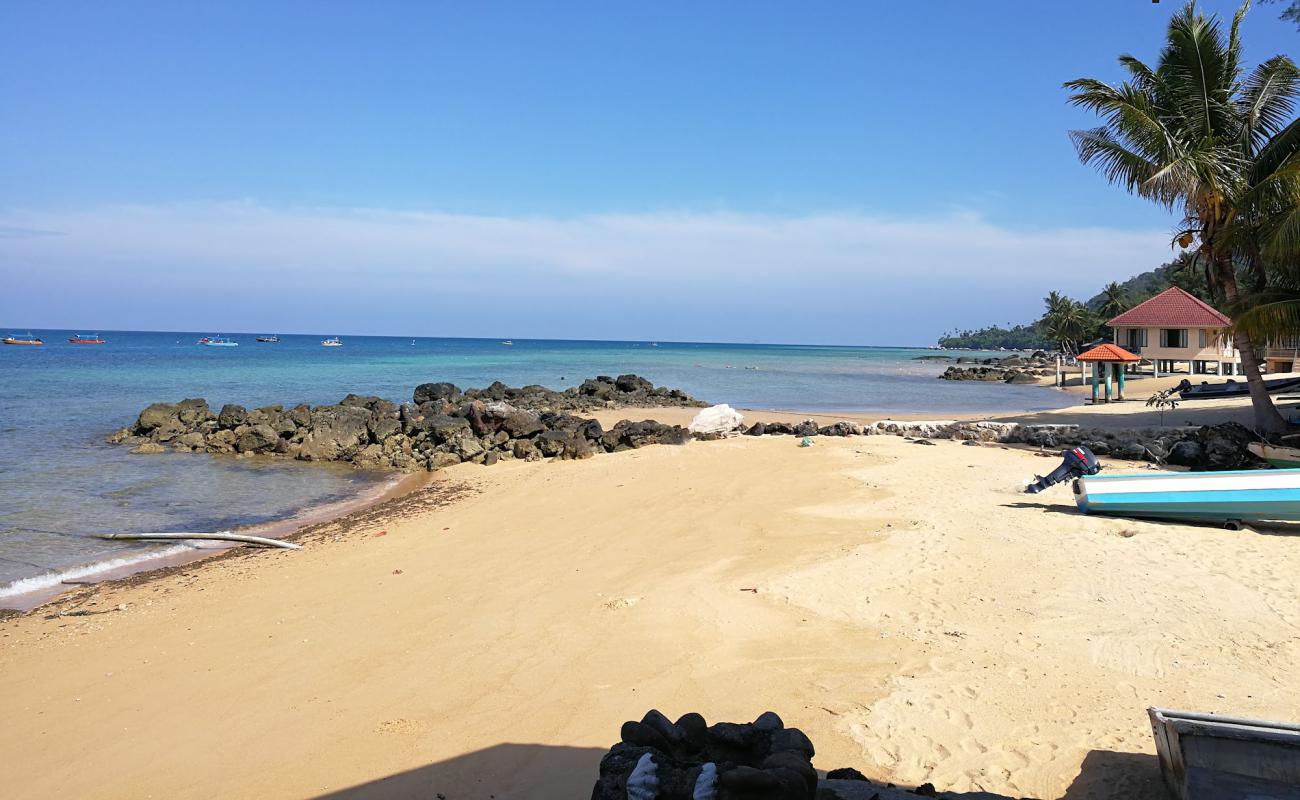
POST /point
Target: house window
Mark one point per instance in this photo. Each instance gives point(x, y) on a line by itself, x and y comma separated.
point(1137, 338)
point(1175, 338)
point(1205, 339)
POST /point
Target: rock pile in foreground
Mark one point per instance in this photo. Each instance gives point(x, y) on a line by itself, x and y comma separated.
point(688, 759)
point(442, 426)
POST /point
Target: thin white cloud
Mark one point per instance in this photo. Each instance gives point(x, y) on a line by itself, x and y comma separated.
point(846, 276)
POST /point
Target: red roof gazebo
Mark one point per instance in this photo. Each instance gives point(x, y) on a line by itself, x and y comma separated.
point(1110, 359)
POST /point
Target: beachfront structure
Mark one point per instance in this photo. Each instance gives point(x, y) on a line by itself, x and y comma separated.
point(1108, 360)
point(1174, 328)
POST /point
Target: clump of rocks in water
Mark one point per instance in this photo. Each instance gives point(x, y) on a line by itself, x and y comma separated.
point(1011, 369)
point(442, 426)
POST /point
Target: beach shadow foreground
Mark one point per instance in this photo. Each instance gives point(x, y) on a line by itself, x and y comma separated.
point(1107, 774)
point(503, 771)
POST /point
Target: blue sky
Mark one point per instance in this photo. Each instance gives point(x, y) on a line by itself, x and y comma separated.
point(830, 172)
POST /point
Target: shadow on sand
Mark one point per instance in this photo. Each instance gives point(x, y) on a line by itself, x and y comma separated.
point(503, 771)
point(545, 772)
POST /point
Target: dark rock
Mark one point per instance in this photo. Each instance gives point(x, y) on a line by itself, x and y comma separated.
point(337, 433)
point(846, 774)
point(232, 416)
point(806, 428)
point(429, 392)
point(1187, 453)
point(926, 790)
point(156, 416)
point(633, 384)
point(1225, 447)
point(255, 438)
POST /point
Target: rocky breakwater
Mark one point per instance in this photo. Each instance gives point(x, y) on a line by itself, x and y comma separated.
point(442, 426)
point(1207, 447)
point(657, 759)
point(1012, 369)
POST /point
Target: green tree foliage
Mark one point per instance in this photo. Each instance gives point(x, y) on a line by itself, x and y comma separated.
point(1200, 133)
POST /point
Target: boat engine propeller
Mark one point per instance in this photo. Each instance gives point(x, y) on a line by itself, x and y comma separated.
point(1078, 461)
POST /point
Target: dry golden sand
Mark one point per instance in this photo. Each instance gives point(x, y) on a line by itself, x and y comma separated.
point(906, 605)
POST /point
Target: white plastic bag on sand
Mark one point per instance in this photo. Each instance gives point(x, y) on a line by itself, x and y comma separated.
point(716, 419)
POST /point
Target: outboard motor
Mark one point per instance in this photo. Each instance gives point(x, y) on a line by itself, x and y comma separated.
point(1078, 461)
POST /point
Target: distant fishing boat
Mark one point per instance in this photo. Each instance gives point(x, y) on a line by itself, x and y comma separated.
point(82, 338)
point(508, 343)
point(269, 339)
point(1278, 456)
point(333, 341)
point(1272, 494)
point(217, 341)
point(28, 339)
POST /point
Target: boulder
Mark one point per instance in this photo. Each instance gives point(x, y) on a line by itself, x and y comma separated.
point(633, 384)
point(337, 433)
point(149, 448)
point(429, 392)
point(232, 416)
point(156, 416)
point(255, 438)
point(1187, 453)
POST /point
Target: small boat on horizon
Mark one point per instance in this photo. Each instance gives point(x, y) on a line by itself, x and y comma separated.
point(82, 338)
point(217, 341)
point(28, 339)
point(333, 341)
point(269, 339)
point(508, 343)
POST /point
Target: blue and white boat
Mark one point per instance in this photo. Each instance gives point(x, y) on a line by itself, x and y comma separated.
point(1269, 494)
point(217, 341)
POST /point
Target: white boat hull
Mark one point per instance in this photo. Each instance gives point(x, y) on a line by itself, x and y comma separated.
point(1212, 496)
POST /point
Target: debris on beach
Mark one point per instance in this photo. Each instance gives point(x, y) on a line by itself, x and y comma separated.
point(720, 420)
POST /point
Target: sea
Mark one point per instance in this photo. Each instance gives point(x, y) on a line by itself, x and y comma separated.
point(61, 484)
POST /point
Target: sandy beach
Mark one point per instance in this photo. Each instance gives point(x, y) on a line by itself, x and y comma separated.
point(906, 606)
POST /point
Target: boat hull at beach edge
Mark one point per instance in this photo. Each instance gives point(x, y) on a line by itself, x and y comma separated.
point(1248, 495)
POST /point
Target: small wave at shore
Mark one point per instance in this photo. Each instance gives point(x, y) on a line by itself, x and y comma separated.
point(51, 579)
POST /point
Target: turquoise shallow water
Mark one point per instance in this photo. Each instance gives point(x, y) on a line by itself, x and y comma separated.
point(59, 401)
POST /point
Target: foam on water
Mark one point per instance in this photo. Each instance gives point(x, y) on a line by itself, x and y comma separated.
point(51, 579)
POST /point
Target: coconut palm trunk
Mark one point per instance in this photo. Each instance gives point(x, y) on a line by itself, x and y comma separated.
point(1267, 418)
point(1200, 132)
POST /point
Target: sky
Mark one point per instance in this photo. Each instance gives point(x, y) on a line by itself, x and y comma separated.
point(831, 172)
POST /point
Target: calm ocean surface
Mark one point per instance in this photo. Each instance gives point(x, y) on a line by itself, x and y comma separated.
point(58, 402)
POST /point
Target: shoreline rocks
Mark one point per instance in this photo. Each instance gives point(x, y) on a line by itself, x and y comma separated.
point(449, 427)
point(442, 426)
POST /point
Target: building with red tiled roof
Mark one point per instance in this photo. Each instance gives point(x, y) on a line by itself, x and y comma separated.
point(1174, 329)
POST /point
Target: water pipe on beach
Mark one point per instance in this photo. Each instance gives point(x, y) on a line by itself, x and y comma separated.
point(220, 537)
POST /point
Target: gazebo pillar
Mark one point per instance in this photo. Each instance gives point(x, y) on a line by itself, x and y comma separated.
point(1108, 369)
point(1122, 370)
point(1096, 368)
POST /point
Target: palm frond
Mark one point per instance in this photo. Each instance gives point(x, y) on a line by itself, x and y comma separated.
point(1267, 100)
point(1269, 321)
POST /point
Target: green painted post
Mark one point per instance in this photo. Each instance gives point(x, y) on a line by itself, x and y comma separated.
point(1122, 370)
point(1095, 378)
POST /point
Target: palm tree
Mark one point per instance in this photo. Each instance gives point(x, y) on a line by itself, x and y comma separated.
point(1067, 321)
point(1198, 134)
point(1114, 301)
